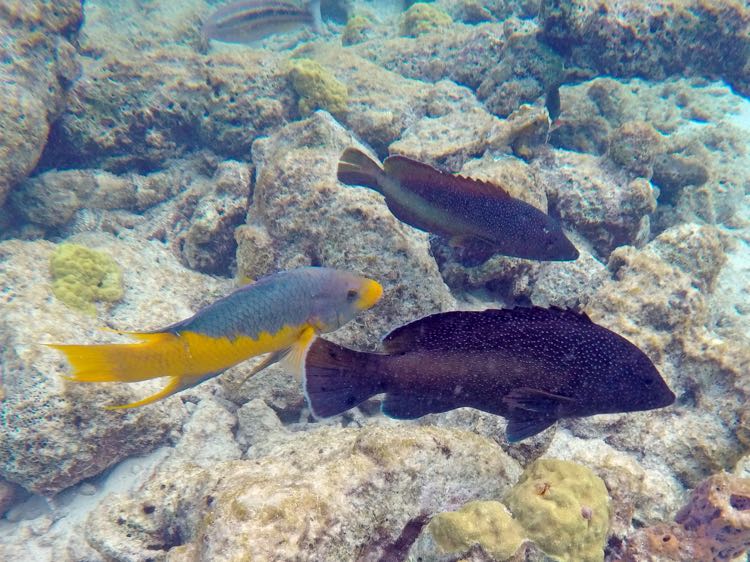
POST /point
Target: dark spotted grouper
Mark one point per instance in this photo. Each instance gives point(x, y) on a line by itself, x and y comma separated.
point(532, 366)
point(465, 210)
point(279, 314)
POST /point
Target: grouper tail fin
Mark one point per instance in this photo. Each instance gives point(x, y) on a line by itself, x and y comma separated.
point(357, 168)
point(337, 379)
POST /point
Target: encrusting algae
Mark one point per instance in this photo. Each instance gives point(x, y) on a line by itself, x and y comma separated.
point(81, 277)
point(560, 506)
point(422, 18)
point(317, 87)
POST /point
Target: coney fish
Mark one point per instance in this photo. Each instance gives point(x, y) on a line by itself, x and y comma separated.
point(279, 314)
point(250, 20)
point(465, 210)
point(532, 366)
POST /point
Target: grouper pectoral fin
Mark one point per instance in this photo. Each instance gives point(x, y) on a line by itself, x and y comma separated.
point(534, 400)
point(532, 411)
point(523, 424)
point(410, 406)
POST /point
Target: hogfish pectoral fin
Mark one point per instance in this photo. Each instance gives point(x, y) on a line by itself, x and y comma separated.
point(293, 358)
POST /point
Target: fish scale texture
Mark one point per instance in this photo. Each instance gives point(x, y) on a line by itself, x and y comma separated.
point(266, 306)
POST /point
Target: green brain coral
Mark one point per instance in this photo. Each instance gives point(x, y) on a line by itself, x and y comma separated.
point(422, 18)
point(488, 524)
point(564, 508)
point(317, 87)
point(81, 277)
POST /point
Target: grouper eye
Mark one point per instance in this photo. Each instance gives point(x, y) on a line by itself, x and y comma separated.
point(351, 295)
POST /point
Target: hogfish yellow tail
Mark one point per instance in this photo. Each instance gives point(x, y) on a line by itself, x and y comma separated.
point(156, 355)
point(188, 358)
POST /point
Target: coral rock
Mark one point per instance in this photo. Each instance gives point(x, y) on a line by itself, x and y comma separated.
point(629, 37)
point(61, 432)
point(332, 494)
point(602, 204)
point(313, 219)
point(634, 146)
point(713, 526)
point(38, 66)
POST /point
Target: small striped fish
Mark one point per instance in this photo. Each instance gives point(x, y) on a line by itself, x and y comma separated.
point(250, 20)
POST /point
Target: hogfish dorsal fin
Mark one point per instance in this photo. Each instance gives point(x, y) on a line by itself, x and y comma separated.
point(424, 180)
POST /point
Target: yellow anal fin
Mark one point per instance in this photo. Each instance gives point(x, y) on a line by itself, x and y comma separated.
point(174, 385)
point(294, 358)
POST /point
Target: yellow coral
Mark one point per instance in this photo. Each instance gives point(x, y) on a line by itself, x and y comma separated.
point(81, 276)
point(317, 87)
point(564, 508)
point(422, 18)
point(488, 524)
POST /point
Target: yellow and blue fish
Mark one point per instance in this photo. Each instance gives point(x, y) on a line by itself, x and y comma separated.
point(280, 314)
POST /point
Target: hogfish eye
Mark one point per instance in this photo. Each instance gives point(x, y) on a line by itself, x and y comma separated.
point(351, 295)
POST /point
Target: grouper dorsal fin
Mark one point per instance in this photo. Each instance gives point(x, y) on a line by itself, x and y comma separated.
point(553, 312)
point(426, 181)
point(429, 332)
point(447, 330)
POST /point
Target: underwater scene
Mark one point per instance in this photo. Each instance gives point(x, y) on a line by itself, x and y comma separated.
point(374, 280)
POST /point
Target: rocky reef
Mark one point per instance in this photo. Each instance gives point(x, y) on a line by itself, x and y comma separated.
point(145, 173)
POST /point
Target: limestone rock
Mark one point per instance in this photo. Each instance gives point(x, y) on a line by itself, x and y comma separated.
point(607, 208)
point(61, 433)
point(332, 494)
point(39, 65)
point(655, 40)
